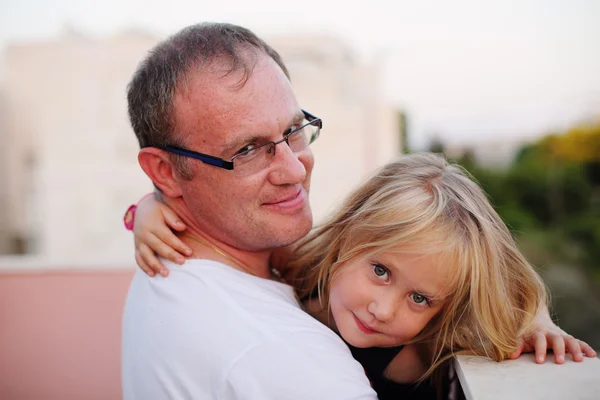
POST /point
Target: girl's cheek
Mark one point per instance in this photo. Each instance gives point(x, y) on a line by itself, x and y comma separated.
point(408, 324)
point(335, 300)
point(336, 312)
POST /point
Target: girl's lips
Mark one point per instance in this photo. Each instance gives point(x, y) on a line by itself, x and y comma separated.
point(363, 328)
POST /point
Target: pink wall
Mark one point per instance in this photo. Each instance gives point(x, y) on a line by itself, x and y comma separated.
point(60, 334)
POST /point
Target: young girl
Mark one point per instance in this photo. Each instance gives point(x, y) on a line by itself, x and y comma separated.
point(414, 268)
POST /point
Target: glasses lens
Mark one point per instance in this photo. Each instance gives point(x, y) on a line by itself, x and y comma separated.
point(304, 136)
point(299, 140)
point(315, 129)
point(260, 157)
point(253, 160)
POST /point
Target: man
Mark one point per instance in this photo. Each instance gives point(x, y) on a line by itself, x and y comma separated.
point(225, 142)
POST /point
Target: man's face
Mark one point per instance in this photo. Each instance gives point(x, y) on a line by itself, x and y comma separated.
point(261, 211)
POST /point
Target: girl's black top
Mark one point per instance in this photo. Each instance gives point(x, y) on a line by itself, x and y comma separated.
point(375, 360)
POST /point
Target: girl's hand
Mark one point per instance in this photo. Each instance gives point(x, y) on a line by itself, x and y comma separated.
point(547, 335)
point(153, 235)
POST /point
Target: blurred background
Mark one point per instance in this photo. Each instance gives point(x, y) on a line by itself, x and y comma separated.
point(509, 89)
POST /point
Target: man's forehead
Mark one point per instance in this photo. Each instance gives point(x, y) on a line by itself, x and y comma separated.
point(222, 76)
point(213, 99)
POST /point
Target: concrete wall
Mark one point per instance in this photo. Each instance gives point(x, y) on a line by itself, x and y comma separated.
point(60, 334)
point(73, 156)
point(5, 228)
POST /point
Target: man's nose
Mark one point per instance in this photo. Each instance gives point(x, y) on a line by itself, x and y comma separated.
point(287, 167)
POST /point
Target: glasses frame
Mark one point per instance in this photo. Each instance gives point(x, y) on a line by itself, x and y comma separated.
point(228, 165)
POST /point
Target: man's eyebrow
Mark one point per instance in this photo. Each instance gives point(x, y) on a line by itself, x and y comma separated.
point(231, 149)
point(298, 117)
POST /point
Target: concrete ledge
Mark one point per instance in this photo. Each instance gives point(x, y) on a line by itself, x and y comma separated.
point(483, 379)
point(37, 264)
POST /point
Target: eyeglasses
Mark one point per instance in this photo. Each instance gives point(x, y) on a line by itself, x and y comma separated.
point(259, 157)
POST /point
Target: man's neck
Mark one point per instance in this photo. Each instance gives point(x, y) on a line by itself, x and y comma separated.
point(206, 247)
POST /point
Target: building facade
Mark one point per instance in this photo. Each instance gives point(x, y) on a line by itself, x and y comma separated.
point(70, 162)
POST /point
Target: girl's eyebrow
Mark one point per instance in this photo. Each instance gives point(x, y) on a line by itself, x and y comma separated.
point(431, 295)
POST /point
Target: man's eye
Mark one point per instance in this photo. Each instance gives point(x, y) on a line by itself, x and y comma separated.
point(246, 150)
point(292, 129)
point(296, 136)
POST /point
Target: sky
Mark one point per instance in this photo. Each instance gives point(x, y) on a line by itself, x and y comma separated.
point(465, 71)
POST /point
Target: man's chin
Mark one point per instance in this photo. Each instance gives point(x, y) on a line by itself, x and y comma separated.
point(289, 237)
point(295, 227)
point(277, 230)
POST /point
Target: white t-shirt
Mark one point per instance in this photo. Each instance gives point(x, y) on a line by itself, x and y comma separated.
point(209, 331)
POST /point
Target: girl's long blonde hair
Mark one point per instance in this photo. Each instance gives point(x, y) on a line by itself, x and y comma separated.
point(423, 205)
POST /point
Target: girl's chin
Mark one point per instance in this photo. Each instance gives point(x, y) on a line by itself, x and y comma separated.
point(361, 342)
point(365, 342)
point(359, 345)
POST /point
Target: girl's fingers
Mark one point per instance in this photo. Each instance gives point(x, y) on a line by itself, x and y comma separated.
point(172, 219)
point(175, 245)
point(151, 260)
point(140, 262)
point(574, 348)
point(540, 345)
point(163, 250)
point(587, 349)
point(517, 353)
point(557, 342)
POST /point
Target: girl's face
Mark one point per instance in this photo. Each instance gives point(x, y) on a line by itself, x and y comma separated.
point(387, 299)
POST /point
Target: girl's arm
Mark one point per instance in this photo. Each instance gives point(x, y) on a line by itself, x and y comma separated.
point(407, 367)
point(153, 225)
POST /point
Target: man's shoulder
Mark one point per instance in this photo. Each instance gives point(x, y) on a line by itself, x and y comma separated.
point(300, 365)
point(214, 299)
point(197, 273)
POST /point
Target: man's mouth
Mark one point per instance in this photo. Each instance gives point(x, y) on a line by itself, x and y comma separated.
point(289, 202)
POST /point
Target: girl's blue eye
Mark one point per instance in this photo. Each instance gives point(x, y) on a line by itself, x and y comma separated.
point(418, 298)
point(380, 271)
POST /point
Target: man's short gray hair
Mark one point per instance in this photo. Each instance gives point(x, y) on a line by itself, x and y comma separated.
point(151, 90)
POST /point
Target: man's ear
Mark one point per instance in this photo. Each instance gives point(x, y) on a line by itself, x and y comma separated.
point(158, 167)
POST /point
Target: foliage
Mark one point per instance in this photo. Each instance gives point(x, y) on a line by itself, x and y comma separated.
point(552, 187)
point(550, 198)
